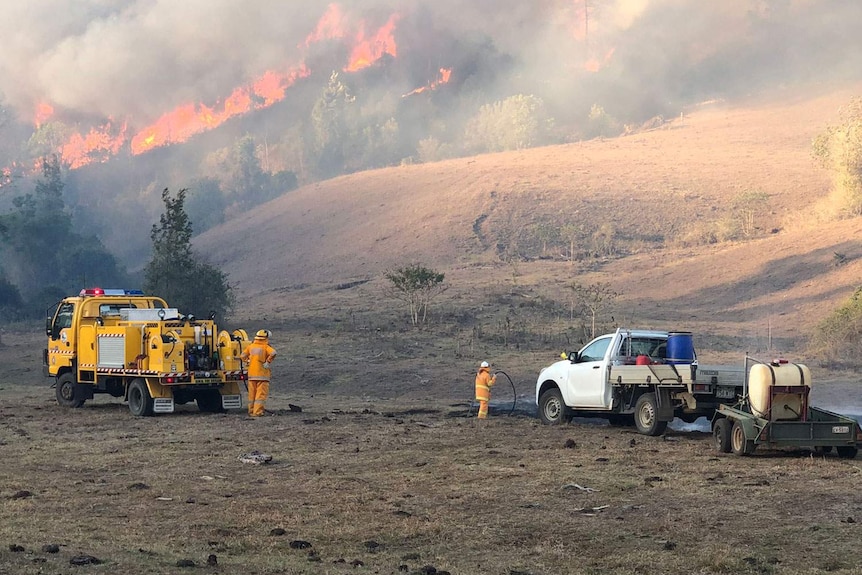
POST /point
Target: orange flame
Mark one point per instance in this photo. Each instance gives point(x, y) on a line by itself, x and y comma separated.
point(369, 50)
point(44, 111)
point(189, 119)
point(442, 78)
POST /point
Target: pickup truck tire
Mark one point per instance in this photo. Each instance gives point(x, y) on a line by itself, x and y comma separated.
point(738, 443)
point(552, 408)
point(847, 452)
point(646, 416)
point(65, 390)
point(721, 435)
point(140, 401)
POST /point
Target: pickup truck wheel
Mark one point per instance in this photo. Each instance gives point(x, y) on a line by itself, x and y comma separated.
point(738, 443)
point(66, 391)
point(552, 409)
point(140, 402)
point(847, 452)
point(646, 416)
point(721, 435)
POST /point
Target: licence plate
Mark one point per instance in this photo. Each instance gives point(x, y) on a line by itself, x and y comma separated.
point(207, 380)
point(840, 429)
point(725, 392)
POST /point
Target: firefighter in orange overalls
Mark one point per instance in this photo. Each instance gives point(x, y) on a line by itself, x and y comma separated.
point(258, 355)
point(484, 382)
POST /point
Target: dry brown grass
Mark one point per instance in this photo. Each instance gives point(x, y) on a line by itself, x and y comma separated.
point(428, 485)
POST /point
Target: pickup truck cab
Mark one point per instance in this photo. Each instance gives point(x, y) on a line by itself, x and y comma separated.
point(625, 377)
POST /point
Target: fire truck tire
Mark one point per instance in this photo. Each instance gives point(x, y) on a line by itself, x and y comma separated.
point(65, 389)
point(721, 435)
point(846, 451)
point(646, 416)
point(209, 401)
point(738, 443)
point(552, 409)
point(140, 402)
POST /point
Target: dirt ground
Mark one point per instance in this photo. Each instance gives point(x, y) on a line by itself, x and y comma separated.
point(358, 485)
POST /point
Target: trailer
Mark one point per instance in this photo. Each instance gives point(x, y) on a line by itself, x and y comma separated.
point(774, 411)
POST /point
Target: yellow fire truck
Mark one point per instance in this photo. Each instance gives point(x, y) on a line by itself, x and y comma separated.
point(131, 345)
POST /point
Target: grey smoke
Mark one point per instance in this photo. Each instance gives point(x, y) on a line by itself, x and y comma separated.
point(140, 58)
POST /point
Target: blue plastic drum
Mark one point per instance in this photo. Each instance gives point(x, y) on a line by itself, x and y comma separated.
point(680, 348)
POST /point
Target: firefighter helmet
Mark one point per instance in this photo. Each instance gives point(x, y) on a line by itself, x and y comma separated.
point(262, 334)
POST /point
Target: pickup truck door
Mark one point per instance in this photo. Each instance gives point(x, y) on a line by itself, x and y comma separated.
point(587, 379)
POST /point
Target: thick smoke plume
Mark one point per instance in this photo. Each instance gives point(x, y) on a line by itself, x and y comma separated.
point(139, 58)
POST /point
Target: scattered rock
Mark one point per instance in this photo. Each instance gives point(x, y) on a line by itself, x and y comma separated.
point(428, 570)
point(669, 546)
point(255, 457)
point(50, 548)
point(602, 459)
point(402, 513)
point(403, 568)
point(849, 520)
point(410, 557)
point(294, 408)
point(632, 442)
point(22, 494)
point(300, 544)
point(313, 556)
point(84, 560)
point(357, 563)
point(185, 563)
point(570, 444)
point(138, 486)
point(190, 500)
point(652, 479)
point(277, 532)
point(212, 560)
point(16, 548)
point(372, 546)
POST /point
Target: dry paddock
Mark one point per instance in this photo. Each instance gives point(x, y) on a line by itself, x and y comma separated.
point(362, 486)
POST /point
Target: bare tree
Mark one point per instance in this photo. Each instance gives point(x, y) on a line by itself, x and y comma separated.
point(594, 300)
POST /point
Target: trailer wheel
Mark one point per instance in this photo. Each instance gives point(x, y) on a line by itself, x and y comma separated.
point(846, 452)
point(66, 391)
point(646, 416)
point(721, 435)
point(209, 401)
point(738, 443)
point(552, 408)
point(140, 401)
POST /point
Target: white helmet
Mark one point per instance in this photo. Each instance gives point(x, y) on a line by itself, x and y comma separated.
point(484, 364)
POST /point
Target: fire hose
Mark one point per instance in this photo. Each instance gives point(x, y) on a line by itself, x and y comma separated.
point(514, 394)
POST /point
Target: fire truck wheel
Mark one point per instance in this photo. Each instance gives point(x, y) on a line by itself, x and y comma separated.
point(140, 402)
point(646, 416)
point(209, 401)
point(66, 391)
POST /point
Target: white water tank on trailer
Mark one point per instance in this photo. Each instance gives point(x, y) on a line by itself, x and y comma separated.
point(763, 377)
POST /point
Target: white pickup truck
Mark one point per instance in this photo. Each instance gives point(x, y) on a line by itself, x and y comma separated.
point(628, 377)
